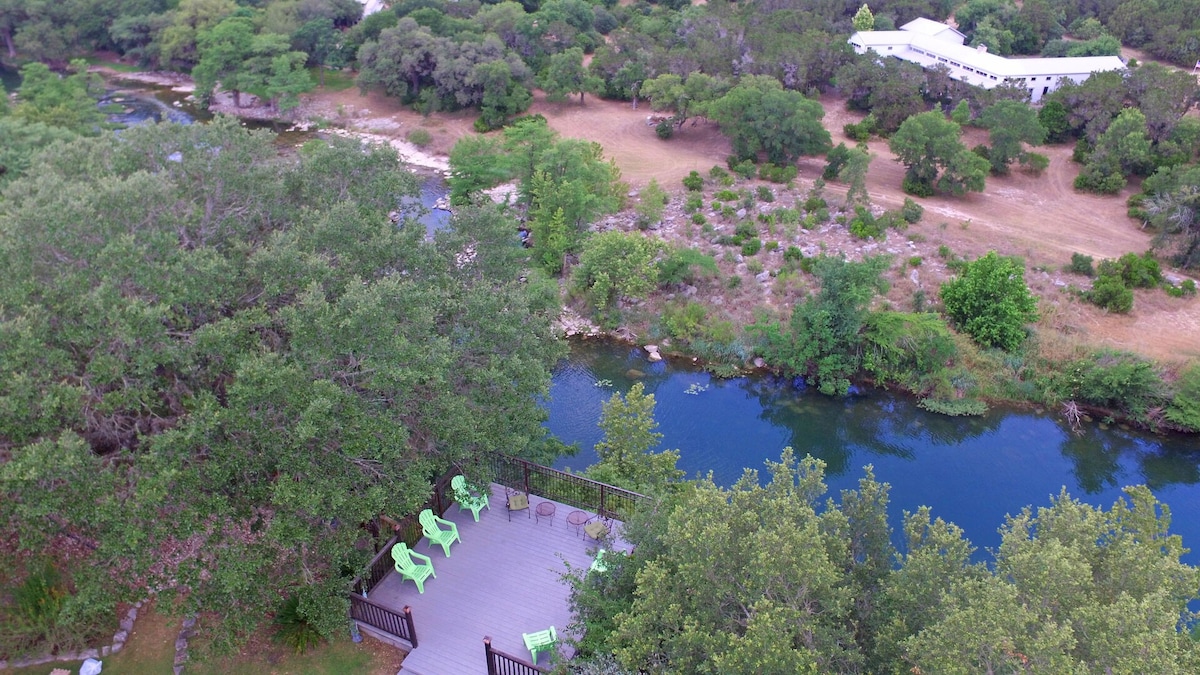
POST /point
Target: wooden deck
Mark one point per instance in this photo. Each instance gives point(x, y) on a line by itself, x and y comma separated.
point(502, 580)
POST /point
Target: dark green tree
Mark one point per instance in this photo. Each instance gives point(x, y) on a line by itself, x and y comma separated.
point(1010, 123)
point(928, 145)
point(759, 115)
point(990, 301)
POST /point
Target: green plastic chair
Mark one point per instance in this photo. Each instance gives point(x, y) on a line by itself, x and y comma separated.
point(438, 530)
point(540, 641)
point(466, 500)
point(406, 565)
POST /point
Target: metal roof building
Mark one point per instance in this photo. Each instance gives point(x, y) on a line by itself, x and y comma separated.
point(930, 43)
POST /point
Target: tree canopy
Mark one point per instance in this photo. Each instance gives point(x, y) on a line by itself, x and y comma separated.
point(990, 301)
point(219, 362)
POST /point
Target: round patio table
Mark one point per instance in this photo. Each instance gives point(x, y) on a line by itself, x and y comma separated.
point(544, 510)
point(578, 519)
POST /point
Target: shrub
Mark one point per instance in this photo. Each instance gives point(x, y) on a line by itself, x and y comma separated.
point(694, 182)
point(685, 321)
point(1140, 271)
point(650, 207)
point(685, 265)
point(915, 261)
point(953, 407)
point(420, 137)
point(699, 219)
point(861, 132)
point(777, 174)
point(746, 169)
point(1117, 380)
point(715, 206)
point(728, 212)
point(944, 252)
point(745, 229)
point(1082, 264)
point(717, 173)
point(990, 301)
point(1188, 288)
point(292, 626)
point(814, 203)
point(864, 225)
point(751, 246)
point(1110, 292)
point(726, 196)
point(765, 194)
point(1034, 163)
point(916, 188)
point(793, 253)
point(694, 203)
point(911, 211)
point(733, 282)
point(772, 246)
point(1184, 409)
point(665, 129)
point(754, 266)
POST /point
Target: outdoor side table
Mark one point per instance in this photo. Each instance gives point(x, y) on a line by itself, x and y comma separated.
point(544, 510)
point(578, 519)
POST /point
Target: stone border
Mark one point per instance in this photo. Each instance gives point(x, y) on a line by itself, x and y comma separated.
point(186, 631)
point(118, 642)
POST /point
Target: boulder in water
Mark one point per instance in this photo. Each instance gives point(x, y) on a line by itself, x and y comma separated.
point(634, 374)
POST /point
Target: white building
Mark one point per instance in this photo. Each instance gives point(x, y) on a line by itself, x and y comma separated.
point(929, 43)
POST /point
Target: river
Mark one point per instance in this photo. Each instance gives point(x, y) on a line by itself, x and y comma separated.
point(971, 471)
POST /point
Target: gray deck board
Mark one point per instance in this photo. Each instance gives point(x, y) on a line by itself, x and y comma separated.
point(503, 579)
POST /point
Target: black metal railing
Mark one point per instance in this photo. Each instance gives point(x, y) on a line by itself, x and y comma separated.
point(606, 500)
point(499, 663)
point(399, 624)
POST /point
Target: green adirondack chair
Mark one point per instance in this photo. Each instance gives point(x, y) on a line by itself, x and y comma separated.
point(466, 500)
point(438, 530)
point(406, 564)
point(540, 641)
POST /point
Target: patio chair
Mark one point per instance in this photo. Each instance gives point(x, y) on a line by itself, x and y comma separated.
point(540, 641)
point(438, 530)
point(406, 564)
point(516, 501)
point(466, 500)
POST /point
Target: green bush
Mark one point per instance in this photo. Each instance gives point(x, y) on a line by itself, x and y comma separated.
point(1184, 409)
point(685, 321)
point(777, 174)
point(864, 225)
point(693, 203)
point(685, 265)
point(1140, 271)
point(1116, 380)
point(726, 196)
point(765, 194)
point(420, 137)
point(1033, 162)
point(746, 169)
point(733, 282)
point(1082, 264)
point(953, 407)
point(1110, 292)
point(793, 253)
point(916, 188)
point(665, 129)
point(745, 229)
point(292, 626)
point(915, 261)
point(911, 211)
point(990, 301)
point(699, 219)
point(787, 216)
point(751, 246)
point(815, 203)
point(694, 182)
point(772, 246)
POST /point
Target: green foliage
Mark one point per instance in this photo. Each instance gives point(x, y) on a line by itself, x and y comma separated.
point(625, 454)
point(861, 131)
point(1184, 409)
point(214, 343)
point(744, 168)
point(957, 407)
point(824, 337)
point(1115, 380)
point(685, 321)
point(835, 159)
point(990, 301)
point(292, 626)
point(759, 115)
point(693, 182)
point(1136, 271)
point(864, 225)
point(420, 137)
point(911, 212)
point(928, 145)
point(1010, 123)
point(651, 205)
point(777, 174)
point(1110, 293)
point(765, 194)
point(1033, 163)
point(66, 102)
point(686, 265)
point(751, 246)
point(617, 264)
point(909, 350)
point(863, 19)
point(1082, 264)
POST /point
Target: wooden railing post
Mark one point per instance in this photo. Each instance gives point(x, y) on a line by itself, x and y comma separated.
point(412, 627)
point(487, 652)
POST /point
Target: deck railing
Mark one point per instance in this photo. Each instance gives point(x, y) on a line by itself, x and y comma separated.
point(399, 624)
point(606, 500)
point(499, 663)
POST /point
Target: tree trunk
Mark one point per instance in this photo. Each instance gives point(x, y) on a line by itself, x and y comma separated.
point(237, 98)
point(581, 98)
point(12, 52)
point(321, 75)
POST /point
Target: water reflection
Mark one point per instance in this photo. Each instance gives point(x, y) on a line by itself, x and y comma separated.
point(973, 471)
